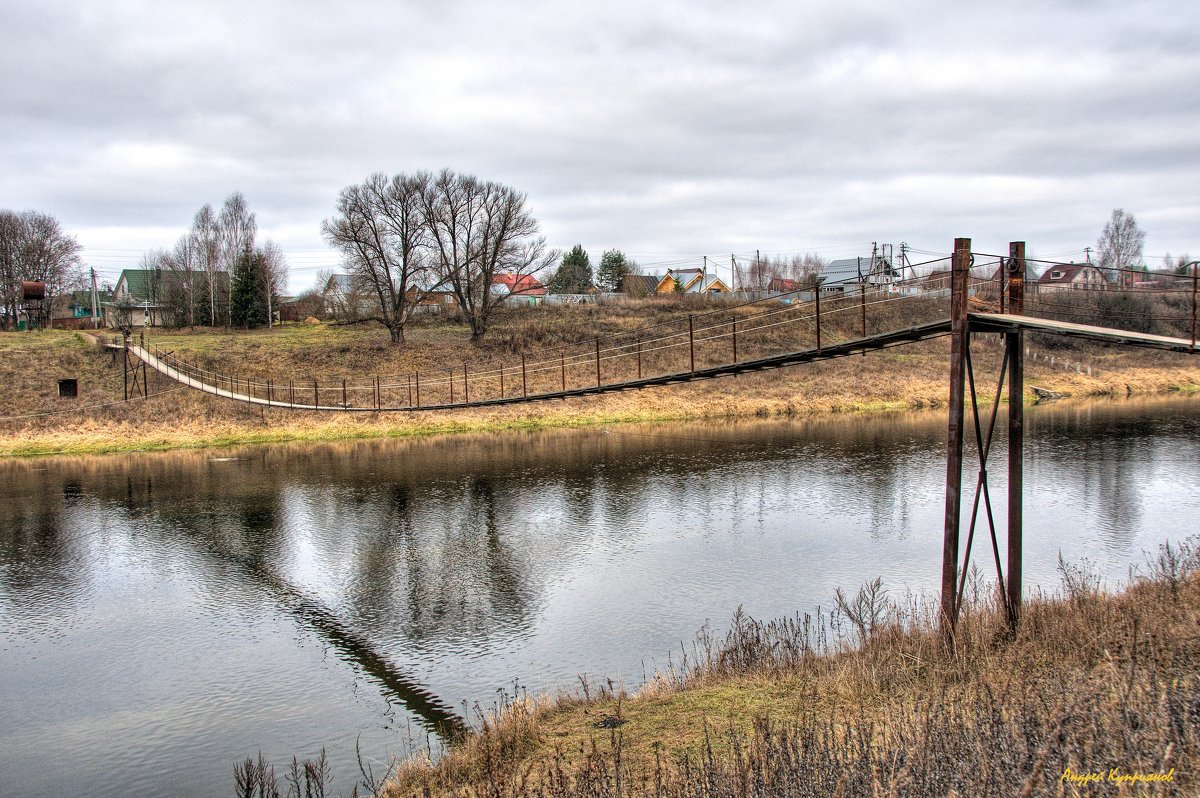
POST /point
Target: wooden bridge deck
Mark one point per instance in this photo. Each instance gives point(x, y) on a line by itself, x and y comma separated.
point(1004, 322)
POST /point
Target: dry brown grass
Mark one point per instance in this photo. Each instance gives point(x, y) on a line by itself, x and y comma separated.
point(1090, 682)
point(37, 422)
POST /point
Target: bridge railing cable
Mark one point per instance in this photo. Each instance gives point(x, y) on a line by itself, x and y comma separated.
point(789, 321)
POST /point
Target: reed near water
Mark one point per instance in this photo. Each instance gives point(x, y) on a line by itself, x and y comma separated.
point(1097, 694)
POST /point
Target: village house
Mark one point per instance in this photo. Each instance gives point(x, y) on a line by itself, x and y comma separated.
point(639, 285)
point(691, 281)
point(137, 293)
point(518, 289)
point(75, 313)
point(849, 275)
point(1068, 276)
point(348, 296)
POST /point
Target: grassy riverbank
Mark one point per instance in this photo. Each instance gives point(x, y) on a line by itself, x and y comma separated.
point(910, 377)
point(1093, 686)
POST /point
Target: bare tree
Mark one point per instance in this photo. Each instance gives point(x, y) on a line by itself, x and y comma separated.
point(1120, 246)
point(380, 231)
point(12, 235)
point(156, 264)
point(274, 276)
point(205, 234)
point(809, 268)
point(479, 230)
point(33, 247)
point(758, 275)
point(179, 290)
point(1179, 265)
point(236, 229)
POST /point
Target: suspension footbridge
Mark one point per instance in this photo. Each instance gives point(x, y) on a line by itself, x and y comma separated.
point(982, 294)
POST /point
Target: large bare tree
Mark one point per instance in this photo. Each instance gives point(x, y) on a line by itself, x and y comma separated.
point(479, 230)
point(1120, 246)
point(381, 233)
point(33, 247)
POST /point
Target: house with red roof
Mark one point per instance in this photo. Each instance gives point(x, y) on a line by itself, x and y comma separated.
point(524, 288)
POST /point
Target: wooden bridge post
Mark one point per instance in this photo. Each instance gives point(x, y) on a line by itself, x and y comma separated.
point(691, 344)
point(417, 380)
point(597, 362)
point(862, 304)
point(524, 383)
point(818, 298)
point(1195, 280)
point(125, 364)
point(1014, 342)
point(960, 271)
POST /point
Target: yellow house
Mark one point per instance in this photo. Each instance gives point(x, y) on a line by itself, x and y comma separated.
point(693, 281)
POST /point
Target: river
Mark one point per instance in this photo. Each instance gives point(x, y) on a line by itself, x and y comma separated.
point(165, 615)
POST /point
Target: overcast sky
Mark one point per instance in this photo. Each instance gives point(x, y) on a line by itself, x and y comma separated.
point(667, 130)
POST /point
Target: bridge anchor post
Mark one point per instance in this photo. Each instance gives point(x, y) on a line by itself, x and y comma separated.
point(960, 269)
point(1015, 344)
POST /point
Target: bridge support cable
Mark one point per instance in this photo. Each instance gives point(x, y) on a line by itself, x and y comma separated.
point(983, 446)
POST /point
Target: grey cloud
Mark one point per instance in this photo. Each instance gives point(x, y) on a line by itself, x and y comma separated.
point(664, 127)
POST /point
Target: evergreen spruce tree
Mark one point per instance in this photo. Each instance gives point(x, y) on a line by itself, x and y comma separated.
point(248, 303)
point(574, 275)
point(612, 269)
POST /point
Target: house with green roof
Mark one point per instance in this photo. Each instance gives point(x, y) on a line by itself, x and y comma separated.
point(136, 292)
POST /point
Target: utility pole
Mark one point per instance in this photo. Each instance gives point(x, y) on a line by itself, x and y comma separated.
point(95, 302)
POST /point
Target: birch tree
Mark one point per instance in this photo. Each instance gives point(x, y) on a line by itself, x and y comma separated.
point(1120, 246)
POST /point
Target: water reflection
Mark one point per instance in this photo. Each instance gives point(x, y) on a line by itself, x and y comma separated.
point(434, 571)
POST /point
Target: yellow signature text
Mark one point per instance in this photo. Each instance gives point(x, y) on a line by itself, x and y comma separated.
point(1115, 776)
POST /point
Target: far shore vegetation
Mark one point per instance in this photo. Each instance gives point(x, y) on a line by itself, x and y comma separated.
point(36, 421)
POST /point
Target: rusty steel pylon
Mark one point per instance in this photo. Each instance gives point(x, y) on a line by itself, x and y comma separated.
point(962, 378)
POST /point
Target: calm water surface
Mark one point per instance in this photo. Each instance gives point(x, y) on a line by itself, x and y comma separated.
point(163, 616)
